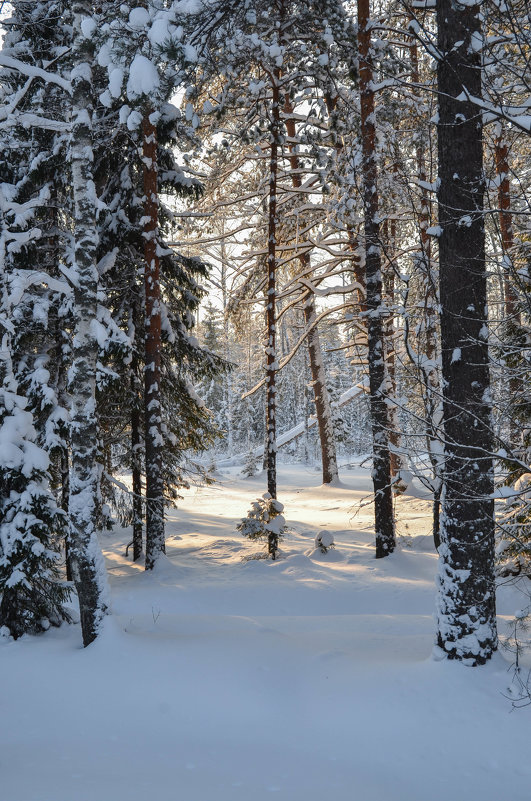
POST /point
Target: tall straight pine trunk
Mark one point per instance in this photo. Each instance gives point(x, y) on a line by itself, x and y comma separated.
point(85, 556)
point(136, 440)
point(381, 471)
point(397, 460)
point(466, 622)
point(155, 543)
point(429, 361)
point(323, 407)
point(271, 313)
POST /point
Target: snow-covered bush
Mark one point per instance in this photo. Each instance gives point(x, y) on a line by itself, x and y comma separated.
point(264, 521)
point(31, 592)
point(251, 465)
point(324, 540)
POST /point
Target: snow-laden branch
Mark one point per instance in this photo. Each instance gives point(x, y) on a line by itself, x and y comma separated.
point(519, 116)
point(28, 120)
point(332, 290)
point(22, 280)
point(286, 359)
point(34, 72)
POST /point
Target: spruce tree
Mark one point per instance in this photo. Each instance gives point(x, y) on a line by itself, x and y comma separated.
point(31, 591)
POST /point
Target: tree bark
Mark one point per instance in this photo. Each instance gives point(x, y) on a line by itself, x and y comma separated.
point(271, 319)
point(466, 608)
point(381, 472)
point(397, 462)
point(512, 314)
point(136, 451)
point(322, 400)
point(155, 541)
point(86, 560)
point(429, 366)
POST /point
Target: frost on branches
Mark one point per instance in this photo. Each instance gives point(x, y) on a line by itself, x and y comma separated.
point(264, 521)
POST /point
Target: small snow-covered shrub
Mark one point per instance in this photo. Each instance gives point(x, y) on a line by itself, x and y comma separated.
point(251, 465)
point(324, 540)
point(264, 521)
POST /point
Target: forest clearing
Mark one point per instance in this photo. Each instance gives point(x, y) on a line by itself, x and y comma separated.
point(225, 678)
point(265, 400)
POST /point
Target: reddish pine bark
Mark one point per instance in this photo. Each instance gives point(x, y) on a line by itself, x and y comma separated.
point(155, 544)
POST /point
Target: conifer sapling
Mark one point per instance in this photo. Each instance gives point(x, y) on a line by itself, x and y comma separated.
point(265, 521)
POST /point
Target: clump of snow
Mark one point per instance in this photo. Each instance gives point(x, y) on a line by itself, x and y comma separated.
point(324, 540)
point(143, 78)
point(139, 18)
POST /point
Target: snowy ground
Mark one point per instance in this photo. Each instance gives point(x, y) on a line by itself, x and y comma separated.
point(225, 679)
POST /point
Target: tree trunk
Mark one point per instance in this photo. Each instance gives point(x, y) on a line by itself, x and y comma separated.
point(323, 408)
point(466, 622)
point(512, 315)
point(381, 472)
point(429, 367)
point(155, 542)
point(397, 461)
point(271, 319)
point(85, 555)
point(65, 498)
point(322, 400)
point(136, 451)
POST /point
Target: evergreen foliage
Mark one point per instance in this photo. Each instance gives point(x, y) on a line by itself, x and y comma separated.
point(32, 595)
point(264, 521)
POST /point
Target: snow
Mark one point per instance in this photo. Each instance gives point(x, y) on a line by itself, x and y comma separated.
point(143, 78)
point(225, 677)
point(139, 18)
point(116, 77)
point(163, 30)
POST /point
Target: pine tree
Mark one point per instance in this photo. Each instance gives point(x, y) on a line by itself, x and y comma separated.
point(466, 628)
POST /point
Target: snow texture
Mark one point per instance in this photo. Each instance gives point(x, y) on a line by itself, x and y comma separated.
point(298, 680)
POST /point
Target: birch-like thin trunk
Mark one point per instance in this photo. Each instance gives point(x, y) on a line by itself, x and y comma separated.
point(155, 542)
point(381, 472)
point(323, 408)
point(466, 608)
point(85, 555)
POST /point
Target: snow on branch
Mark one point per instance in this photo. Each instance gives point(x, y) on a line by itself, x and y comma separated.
point(22, 280)
point(512, 114)
point(300, 341)
point(34, 72)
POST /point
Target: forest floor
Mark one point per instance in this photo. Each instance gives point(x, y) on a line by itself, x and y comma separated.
point(221, 677)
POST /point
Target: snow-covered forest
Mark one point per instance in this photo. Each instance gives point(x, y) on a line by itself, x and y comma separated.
point(265, 406)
